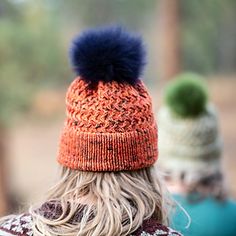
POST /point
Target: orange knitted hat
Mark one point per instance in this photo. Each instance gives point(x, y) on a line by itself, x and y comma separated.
point(110, 124)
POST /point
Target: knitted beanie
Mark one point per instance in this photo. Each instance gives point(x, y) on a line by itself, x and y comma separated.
point(110, 124)
point(190, 143)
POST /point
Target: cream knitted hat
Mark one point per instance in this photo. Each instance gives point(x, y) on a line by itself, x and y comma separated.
point(189, 139)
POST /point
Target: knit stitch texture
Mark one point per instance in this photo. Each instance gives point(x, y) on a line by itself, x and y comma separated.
point(109, 127)
point(190, 145)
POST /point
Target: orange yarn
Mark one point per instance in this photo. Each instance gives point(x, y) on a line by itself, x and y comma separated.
point(108, 128)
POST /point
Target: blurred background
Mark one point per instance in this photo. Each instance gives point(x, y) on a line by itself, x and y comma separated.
point(198, 36)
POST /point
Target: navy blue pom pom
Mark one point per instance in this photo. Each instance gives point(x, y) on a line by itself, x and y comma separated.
point(108, 54)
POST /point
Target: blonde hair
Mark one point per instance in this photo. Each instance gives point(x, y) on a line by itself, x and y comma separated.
point(117, 203)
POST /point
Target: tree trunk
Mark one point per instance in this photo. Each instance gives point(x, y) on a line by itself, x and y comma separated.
point(3, 188)
point(169, 38)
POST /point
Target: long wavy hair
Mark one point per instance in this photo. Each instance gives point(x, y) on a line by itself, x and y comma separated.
point(117, 203)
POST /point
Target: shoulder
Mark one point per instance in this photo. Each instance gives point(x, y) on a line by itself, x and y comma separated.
point(228, 208)
point(231, 203)
point(20, 225)
point(152, 228)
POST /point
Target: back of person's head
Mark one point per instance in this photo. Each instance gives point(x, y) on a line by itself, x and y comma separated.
point(101, 203)
point(190, 143)
point(108, 185)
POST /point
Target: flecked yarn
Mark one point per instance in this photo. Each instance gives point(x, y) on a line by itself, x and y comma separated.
point(109, 127)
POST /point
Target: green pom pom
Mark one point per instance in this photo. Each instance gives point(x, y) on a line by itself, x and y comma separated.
point(187, 95)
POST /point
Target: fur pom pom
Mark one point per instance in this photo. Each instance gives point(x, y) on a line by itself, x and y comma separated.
point(108, 54)
point(187, 95)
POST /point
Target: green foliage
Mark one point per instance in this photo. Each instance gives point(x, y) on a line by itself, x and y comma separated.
point(31, 57)
point(186, 96)
point(208, 35)
point(132, 13)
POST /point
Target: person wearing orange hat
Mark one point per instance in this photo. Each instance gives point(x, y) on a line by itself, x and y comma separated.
point(108, 185)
